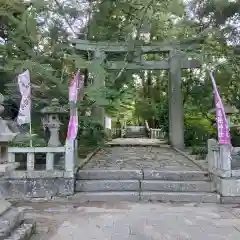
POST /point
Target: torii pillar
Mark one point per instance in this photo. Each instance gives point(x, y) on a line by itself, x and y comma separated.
point(175, 103)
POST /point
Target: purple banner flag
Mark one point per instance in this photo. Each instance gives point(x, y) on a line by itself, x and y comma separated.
point(222, 122)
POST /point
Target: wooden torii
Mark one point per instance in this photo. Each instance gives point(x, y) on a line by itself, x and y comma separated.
point(176, 61)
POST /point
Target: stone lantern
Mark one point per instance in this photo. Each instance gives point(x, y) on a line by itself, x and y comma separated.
point(51, 121)
point(229, 110)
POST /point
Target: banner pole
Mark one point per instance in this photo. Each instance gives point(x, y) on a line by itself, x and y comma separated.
point(30, 115)
point(30, 132)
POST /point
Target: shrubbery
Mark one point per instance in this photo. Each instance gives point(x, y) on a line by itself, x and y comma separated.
point(198, 131)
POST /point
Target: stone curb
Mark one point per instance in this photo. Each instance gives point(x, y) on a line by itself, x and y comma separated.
point(191, 159)
point(88, 158)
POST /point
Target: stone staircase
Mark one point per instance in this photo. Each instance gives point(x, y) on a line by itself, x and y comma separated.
point(145, 185)
point(13, 226)
point(135, 132)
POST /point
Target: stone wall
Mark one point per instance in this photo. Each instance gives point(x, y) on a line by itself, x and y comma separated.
point(36, 184)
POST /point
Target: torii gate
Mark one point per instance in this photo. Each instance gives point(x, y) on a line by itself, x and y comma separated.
point(176, 61)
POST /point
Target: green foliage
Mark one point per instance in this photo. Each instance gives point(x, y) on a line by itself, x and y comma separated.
point(91, 134)
point(201, 152)
point(235, 134)
point(36, 142)
point(198, 131)
point(37, 34)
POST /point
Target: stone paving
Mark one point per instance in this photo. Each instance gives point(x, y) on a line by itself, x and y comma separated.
point(134, 221)
point(140, 157)
point(137, 141)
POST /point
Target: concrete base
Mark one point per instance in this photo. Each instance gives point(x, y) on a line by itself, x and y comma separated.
point(229, 187)
point(36, 184)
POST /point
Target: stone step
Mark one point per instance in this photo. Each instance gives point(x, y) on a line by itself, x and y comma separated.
point(9, 220)
point(176, 186)
point(141, 174)
point(175, 175)
point(105, 197)
point(23, 231)
point(145, 196)
point(107, 185)
point(130, 135)
point(194, 197)
point(109, 175)
point(143, 185)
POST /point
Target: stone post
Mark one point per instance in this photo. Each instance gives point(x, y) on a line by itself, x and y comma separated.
point(175, 102)
point(213, 156)
point(98, 112)
point(225, 161)
point(70, 156)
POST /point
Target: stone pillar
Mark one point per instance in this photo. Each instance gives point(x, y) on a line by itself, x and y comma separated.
point(70, 157)
point(225, 161)
point(175, 102)
point(98, 112)
point(213, 156)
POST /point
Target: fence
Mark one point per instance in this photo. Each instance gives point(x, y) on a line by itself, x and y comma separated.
point(118, 132)
point(32, 182)
point(30, 155)
point(156, 133)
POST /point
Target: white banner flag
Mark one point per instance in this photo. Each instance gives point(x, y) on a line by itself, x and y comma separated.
point(24, 115)
point(108, 123)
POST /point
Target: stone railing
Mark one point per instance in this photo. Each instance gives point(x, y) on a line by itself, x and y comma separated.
point(156, 133)
point(31, 151)
point(115, 132)
point(123, 132)
point(219, 159)
point(55, 179)
point(220, 166)
point(118, 132)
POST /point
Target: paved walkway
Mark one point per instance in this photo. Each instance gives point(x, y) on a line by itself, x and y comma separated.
point(139, 154)
point(134, 221)
point(137, 141)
